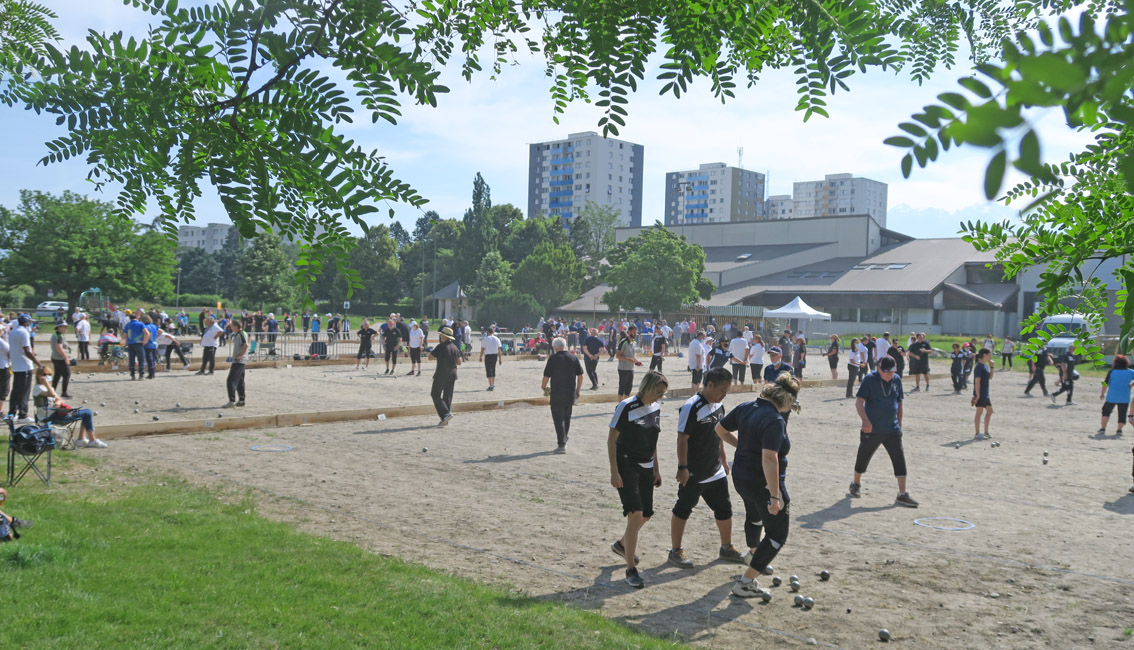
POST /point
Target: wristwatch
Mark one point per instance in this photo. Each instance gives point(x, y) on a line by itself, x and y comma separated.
point(681, 467)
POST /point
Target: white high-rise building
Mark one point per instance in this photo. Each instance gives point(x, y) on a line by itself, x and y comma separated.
point(780, 206)
point(210, 237)
point(563, 175)
point(840, 195)
point(713, 193)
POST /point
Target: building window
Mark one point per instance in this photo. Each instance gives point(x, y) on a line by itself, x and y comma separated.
point(876, 315)
point(843, 314)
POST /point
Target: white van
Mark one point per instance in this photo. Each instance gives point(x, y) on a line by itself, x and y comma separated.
point(1065, 328)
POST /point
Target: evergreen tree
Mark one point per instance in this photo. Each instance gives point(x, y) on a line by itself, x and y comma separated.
point(493, 277)
point(551, 275)
point(265, 276)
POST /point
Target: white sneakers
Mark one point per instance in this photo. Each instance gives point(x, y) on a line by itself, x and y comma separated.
point(90, 444)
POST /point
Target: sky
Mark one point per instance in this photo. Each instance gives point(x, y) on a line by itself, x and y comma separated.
point(486, 127)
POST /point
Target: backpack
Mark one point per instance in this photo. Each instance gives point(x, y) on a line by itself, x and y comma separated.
point(32, 439)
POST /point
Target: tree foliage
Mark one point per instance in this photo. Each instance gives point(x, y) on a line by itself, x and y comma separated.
point(656, 271)
point(265, 278)
point(523, 235)
point(509, 309)
point(71, 243)
point(493, 277)
point(551, 275)
point(591, 235)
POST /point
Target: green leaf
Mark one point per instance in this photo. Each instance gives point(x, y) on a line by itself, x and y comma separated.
point(994, 175)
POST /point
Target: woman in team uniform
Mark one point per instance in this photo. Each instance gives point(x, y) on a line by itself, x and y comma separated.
point(756, 359)
point(833, 356)
point(632, 450)
point(366, 336)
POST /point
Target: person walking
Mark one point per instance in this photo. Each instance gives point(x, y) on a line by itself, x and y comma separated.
point(1007, 351)
point(23, 362)
point(448, 358)
point(1040, 363)
point(702, 468)
point(172, 346)
point(235, 381)
point(391, 342)
point(919, 361)
point(871, 343)
point(366, 336)
point(150, 347)
point(833, 357)
point(800, 357)
point(982, 400)
point(210, 337)
point(61, 359)
point(83, 336)
point(632, 451)
point(660, 346)
point(989, 344)
point(592, 346)
point(1116, 392)
point(879, 407)
point(854, 366)
point(756, 358)
point(1067, 376)
point(136, 338)
point(696, 354)
point(738, 357)
point(627, 361)
point(315, 326)
point(759, 474)
point(490, 355)
point(416, 341)
point(957, 369)
point(564, 373)
point(882, 347)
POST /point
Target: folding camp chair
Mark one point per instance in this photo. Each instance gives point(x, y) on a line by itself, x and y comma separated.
point(29, 443)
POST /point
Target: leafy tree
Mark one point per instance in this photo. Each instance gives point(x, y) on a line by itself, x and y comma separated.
point(591, 234)
point(25, 30)
point(239, 95)
point(479, 234)
point(265, 278)
point(502, 216)
point(551, 275)
point(657, 270)
point(424, 224)
point(493, 277)
point(228, 260)
point(524, 235)
point(200, 272)
point(400, 235)
point(375, 258)
point(71, 243)
point(509, 309)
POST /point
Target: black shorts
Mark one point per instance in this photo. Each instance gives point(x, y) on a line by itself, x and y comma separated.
point(364, 350)
point(6, 380)
point(715, 494)
point(698, 376)
point(625, 382)
point(637, 491)
point(490, 365)
point(757, 371)
point(392, 352)
point(415, 355)
point(834, 361)
point(919, 367)
point(1107, 408)
point(983, 401)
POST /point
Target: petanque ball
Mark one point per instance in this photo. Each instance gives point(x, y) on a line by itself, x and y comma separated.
point(793, 579)
point(1045, 453)
point(136, 402)
point(135, 410)
point(156, 418)
point(178, 405)
point(102, 403)
point(766, 596)
point(808, 602)
point(798, 600)
point(424, 449)
point(883, 634)
point(768, 570)
point(1044, 461)
point(84, 401)
point(824, 575)
point(777, 581)
point(795, 586)
point(957, 446)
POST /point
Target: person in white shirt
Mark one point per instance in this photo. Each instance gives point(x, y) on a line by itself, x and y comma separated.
point(856, 364)
point(416, 337)
point(490, 355)
point(882, 347)
point(172, 345)
point(756, 359)
point(5, 375)
point(209, 340)
point(747, 334)
point(696, 354)
point(83, 336)
point(23, 362)
point(738, 355)
point(989, 344)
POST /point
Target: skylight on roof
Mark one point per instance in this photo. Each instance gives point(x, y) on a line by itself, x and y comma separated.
point(744, 257)
point(899, 266)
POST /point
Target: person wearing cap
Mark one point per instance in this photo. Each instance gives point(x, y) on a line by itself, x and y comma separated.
point(448, 358)
point(23, 361)
point(316, 323)
point(210, 336)
point(416, 342)
point(490, 355)
point(61, 358)
point(777, 365)
point(403, 328)
point(879, 407)
point(333, 327)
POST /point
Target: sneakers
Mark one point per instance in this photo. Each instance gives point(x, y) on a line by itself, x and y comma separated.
point(904, 499)
point(493, 387)
point(981, 436)
point(409, 373)
point(80, 443)
point(184, 366)
point(1070, 403)
point(21, 523)
point(445, 420)
point(620, 550)
point(678, 559)
point(418, 373)
point(97, 444)
point(561, 449)
point(229, 405)
point(633, 579)
point(240, 403)
point(917, 389)
point(199, 372)
point(1052, 398)
point(747, 590)
point(855, 490)
point(731, 554)
point(25, 420)
point(1102, 432)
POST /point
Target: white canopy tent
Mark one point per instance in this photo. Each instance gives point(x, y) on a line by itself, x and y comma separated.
point(799, 310)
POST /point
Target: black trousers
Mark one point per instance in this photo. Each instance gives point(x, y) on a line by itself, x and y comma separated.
point(1037, 378)
point(765, 532)
point(1006, 359)
point(85, 350)
point(625, 382)
point(561, 418)
point(442, 394)
point(208, 359)
point(21, 388)
point(592, 370)
point(656, 363)
point(151, 362)
point(868, 443)
point(852, 372)
point(235, 382)
point(174, 349)
point(137, 354)
point(958, 379)
point(738, 372)
point(1067, 386)
point(62, 374)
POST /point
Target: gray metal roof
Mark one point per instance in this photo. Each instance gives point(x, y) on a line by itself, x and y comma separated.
point(451, 292)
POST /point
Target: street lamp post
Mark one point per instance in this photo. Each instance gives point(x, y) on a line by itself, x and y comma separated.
point(178, 285)
point(683, 188)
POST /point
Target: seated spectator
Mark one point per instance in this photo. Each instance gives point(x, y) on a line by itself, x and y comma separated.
point(50, 409)
point(8, 525)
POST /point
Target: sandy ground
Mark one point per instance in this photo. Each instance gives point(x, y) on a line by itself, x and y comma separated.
point(1046, 565)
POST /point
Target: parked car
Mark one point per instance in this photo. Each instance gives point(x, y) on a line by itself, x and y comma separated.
point(1066, 328)
point(51, 305)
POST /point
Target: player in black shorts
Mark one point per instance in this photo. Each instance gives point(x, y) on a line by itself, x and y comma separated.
point(702, 470)
point(365, 344)
point(391, 340)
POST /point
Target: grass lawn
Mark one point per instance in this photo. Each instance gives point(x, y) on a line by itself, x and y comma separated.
point(167, 565)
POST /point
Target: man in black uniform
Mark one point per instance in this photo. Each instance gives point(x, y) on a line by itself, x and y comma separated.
point(448, 357)
point(306, 321)
point(660, 346)
point(1042, 361)
point(879, 407)
point(565, 374)
point(391, 340)
point(592, 346)
point(702, 467)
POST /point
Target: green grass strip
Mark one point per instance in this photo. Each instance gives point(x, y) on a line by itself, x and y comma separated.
point(172, 566)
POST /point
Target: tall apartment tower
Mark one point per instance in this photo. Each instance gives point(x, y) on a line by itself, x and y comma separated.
point(713, 193)
point(840, 194)
point(780, 206)
point(563, 175)
point(210, 237)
